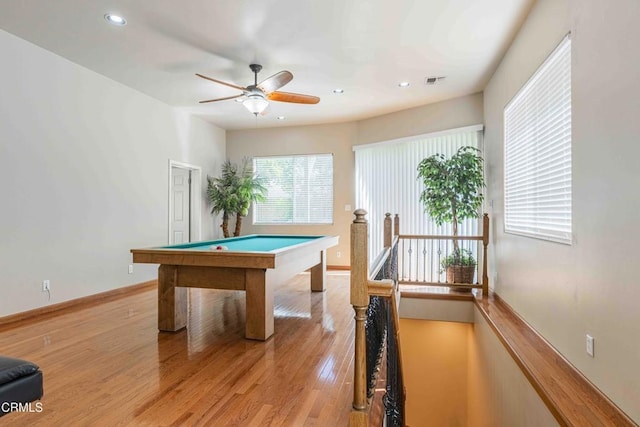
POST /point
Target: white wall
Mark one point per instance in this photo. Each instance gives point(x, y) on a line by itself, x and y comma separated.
point(449, 114)
point(592, 286)
point(84, 169)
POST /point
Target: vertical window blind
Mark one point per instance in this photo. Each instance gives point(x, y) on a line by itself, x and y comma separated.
point(299, 189)
point(387, 181)
point(537, 152)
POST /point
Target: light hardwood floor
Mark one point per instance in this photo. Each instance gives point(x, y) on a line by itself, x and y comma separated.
point(107, 365)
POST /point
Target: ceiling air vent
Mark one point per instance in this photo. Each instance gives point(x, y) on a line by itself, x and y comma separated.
point(433, 80)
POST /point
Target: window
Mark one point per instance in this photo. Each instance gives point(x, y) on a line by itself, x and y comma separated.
point(537, 152)
point(299, 189)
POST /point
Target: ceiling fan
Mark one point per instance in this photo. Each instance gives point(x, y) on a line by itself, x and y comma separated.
point(258, 95)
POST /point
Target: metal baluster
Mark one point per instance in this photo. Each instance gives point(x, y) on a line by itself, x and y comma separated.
point(394, 397)
point(409, 252)
point(439, 260)
point(431, 261)
point(403, 257)
point(424, 260)
point(375, 329)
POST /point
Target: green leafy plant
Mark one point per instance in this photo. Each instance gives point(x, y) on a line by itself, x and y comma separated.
point(233, 192)
point(462, 257)
point(452, 190)
point(250, 189)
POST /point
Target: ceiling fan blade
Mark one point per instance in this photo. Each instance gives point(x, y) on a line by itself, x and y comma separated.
point(275, 82)
point(222, 99)
point(222, 83)
point(296, 98)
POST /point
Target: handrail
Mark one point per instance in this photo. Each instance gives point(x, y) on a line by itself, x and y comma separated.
point(379, 262)
point(381, 288)
point(438, 236)
point(426, 270)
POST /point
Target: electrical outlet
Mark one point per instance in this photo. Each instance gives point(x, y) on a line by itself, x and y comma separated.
point(46, 285)
point(130, 268)
point(590, 345)
point(338, 254)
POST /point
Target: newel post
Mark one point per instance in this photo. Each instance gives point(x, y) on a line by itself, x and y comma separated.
point(387, 230)
point(360, 301)
point(396, 225)
point(485, 243)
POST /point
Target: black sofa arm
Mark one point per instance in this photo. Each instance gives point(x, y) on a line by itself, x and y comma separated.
point(20, 383)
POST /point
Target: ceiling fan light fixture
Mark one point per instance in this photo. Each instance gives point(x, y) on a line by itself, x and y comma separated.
point(256, 104)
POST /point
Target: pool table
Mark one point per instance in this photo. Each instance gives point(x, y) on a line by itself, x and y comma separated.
point(254, 263)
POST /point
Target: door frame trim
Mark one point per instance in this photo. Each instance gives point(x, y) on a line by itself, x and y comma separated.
point(195, 204)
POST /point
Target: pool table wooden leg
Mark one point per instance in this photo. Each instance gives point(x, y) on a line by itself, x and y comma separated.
point(318, 273)
point(259, 305)
point(172, 300)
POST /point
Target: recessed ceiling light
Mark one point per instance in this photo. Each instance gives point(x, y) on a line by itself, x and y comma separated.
point(338, 90)
point(281, 117)
point(239, 99)
point(115, 19)
point(403, 84)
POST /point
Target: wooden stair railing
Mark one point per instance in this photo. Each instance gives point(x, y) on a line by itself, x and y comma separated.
point(425, 270)
point(375, 303)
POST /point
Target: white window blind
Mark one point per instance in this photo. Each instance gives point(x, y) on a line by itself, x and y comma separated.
point(387, 181)
point(537, 152)
point(299, 189)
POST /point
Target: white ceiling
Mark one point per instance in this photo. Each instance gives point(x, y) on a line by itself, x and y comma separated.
point(362, 46)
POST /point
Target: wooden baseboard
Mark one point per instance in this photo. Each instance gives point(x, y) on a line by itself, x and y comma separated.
point(339, 267)
point(450, 296)
point(29, 316)
point(577, 402)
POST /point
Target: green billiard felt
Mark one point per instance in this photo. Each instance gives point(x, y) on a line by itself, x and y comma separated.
point(250, 243)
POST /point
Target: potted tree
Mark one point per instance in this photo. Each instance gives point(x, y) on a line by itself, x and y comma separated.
point(233, 192)
point(453, 192)
point(250, 189)
point(222, 195)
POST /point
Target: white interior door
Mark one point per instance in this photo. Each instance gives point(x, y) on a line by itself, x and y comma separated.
point(181, 211)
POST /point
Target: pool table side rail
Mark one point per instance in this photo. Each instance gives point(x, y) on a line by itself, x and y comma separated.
point(247, 259)
point(205, 259)
point(186, 246)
